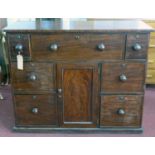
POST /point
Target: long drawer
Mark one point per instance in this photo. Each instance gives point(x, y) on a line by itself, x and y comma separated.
point(125, 77)
point(121, 111)
point(34, 77)
point(75, 46)
point(36, 110)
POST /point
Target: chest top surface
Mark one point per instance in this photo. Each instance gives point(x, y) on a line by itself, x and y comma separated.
point(79, 25)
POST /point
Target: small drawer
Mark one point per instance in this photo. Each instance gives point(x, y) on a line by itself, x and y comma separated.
point(19, 43)
point(123, 77)
point(150, 77)
point(136, 46)
point(34, 77)
point(121, 111)
point(35, 110)
point(74, 46)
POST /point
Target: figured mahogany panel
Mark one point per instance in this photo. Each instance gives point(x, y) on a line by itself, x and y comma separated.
point(79, 97)
point(111, 77)
point(119, 110)
point(37, 110)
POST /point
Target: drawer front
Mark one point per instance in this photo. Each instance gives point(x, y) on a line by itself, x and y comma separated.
point(35, 110)
point(22, 40)
point(34, 77)
point(150, 77)
point(122, 77)
point(137, 45)
point(78, 46)
point(121, 111)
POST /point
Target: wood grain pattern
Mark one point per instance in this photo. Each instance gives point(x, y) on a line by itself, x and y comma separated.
point(44, 72)
point(132, 105)
point(134, 71)
point(76, 49)
point(79, 95)
point(143, 40)
point(47, 110)
point(79, 74)
point(24, 39)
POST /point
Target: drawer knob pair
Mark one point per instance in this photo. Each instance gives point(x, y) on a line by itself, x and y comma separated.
point(35, 110)
point(123, 78)
point(53, 47)
point(137, 47)
point(121, 112)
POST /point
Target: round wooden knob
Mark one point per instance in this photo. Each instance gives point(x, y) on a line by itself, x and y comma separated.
point(35, 110)
point(32, 77)
point(121, 112)
point(123, 78)
point(137, 47)
point(53, 47)
point(19, 47)
point(101, 47)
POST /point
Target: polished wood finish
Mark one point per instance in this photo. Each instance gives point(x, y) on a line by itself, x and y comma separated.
point(72, 25)
point(79, 96)
point(87, 75)
point(142, 40)
point(24, 40)
point(134, 72)
point(84, 45)
point(46, 113)
point(44, 73)
point(132, 106)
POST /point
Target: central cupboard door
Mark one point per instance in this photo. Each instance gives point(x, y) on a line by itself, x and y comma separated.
point(78, 95)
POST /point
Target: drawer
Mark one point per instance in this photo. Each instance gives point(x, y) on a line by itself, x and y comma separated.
point(150, 77)
point(121, 111)
point(34, 77)
point(36, 110)
point(122, 77)
point(77, 46)
point(136, 47)
point(19, 41)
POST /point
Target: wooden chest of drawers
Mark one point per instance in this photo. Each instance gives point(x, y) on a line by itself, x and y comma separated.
point(89, 76)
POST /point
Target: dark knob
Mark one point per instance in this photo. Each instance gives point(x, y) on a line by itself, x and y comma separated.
point(123, 77)
point(35, 110)
point(19, 47)
point(32, 77)
point(120, 112)
point(101, 47)
point(137, 47)
point(53, 47)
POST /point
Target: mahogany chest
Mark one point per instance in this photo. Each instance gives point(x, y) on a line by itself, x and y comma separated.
point(78, 75)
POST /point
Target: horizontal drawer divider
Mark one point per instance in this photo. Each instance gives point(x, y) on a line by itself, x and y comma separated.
point(120, 93)
point(34, 92)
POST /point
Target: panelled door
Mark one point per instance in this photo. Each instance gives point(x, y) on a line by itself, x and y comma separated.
point(78, 95)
